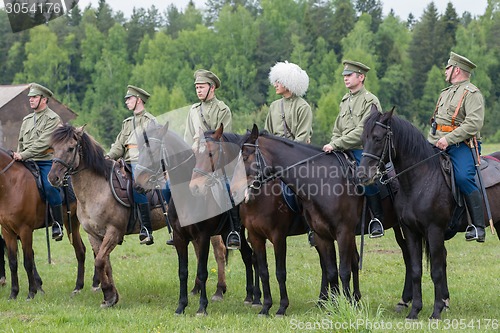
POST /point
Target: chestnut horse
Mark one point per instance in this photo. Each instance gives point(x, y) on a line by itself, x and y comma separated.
point(156, 152)
point(424, 202)
point(21, 212)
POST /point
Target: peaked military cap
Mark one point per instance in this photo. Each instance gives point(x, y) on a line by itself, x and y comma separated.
point(461, 62)
point(39, 90)
point(204, 76)
point(354, 67)
point(137, 92)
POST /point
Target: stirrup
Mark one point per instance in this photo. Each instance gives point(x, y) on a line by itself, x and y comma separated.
point(376, 221)
point(472, 230)
point(310, 238)
point(145, 237)
point(57, 237)
point(233, 246)
point(170, 241)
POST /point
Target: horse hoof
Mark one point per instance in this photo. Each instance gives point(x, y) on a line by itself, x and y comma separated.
point(400, 306)
point(247, 302)
point(256, 305)
point(96, 289)
point(201, 314)
point(217, 298)
point(2, 281)
point(75, 292)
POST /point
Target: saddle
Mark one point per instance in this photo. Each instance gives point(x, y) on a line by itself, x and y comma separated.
point(490, 174)
point(35, 171)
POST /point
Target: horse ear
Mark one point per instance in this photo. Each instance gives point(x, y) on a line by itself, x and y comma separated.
point(164, 130)
point(218, 133)
point(392, 110)
point(255, 133)
point(80, 130)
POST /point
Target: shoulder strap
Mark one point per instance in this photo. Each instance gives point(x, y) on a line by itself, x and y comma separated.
point(203, 118)
point(286, 129)
point(458, 108)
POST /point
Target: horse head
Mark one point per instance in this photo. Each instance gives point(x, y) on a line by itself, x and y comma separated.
point(377, 146)
point(67, 144)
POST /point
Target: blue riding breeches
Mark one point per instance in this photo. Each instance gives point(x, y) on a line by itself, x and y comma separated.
point(369, 189)
point(463, 167)
point(52, 194)
point(139, 198)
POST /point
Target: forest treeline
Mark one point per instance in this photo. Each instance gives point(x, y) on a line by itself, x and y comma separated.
point(90, 55)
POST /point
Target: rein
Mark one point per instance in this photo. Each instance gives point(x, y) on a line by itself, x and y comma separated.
point(7, 167)
point(70, 169)
point(257, 183)
point(388, 149)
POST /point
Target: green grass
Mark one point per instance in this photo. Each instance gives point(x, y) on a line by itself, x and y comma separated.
point(488, 148)
point(146, 278)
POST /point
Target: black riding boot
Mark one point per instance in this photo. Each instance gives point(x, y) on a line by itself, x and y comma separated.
point(57, 222)
point(146, 234)
point(375, 227)
point(233, 239)
point(474, 203)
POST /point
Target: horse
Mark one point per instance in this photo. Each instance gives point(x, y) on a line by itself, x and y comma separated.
point(22, 211)
point(157, 152)
point(424, 202)
point(266, 215)
point(77, 153)
point(2, 262)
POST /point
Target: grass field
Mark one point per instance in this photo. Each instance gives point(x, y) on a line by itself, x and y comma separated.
point(146, 278)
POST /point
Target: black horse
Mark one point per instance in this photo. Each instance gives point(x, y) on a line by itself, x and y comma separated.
point(424, 202)
point(165, 148)
point(2, 262)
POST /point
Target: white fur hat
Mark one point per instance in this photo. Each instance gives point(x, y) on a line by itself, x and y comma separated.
point(291, 76)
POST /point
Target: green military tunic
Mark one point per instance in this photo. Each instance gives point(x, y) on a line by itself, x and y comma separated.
point(207, 115)
point(298, 118)
point(470, 115)
point(353, 111)
point(34, 135)
point(126, 142)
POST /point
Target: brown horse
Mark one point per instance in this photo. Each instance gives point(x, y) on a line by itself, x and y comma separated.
point(21, 212)
point(164, 147)
point(424, 202)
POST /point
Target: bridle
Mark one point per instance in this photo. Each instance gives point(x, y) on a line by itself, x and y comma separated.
point(390, 152)
point(70, 166)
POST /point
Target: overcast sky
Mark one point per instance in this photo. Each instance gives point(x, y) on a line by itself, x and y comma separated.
point(401, 7)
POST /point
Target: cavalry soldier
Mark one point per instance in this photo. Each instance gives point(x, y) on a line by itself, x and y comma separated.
point(291, 116)
point(354, 108)
point(207, 115)
point(34, 138)
point(457, 119)
point(126, 146)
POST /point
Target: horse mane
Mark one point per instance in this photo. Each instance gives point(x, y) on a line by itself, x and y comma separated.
point(92, 156)
point(292, 144)
point(408, 139)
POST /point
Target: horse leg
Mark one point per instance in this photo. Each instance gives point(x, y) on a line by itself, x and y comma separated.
point(38, 279)
point(280, 258)
point(414, 242)
point(181, 246)
point(2, 262)
point(220, 259)
point(355, 275)
point(406, 295)
point(11, 245)
point(252, 289)
point(329, 271)
point(259, 249)
point(347, 246)
point(437, 251)
point(202, 272)
point(80, 249)
point(29, 261)
point(103, 267)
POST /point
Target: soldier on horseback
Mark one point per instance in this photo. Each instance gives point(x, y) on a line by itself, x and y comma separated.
point(126, 146)
point(34, 137)
point(457, 119)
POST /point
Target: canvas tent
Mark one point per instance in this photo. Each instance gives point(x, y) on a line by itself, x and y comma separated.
point(14, 106)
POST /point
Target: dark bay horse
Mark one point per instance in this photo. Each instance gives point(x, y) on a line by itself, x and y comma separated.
point(21, 212)
point(158, 151)
point(424, 202)
point(2, 262)
point(266, 215)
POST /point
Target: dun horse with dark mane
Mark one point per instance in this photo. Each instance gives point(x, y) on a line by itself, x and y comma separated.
point(424, 202)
